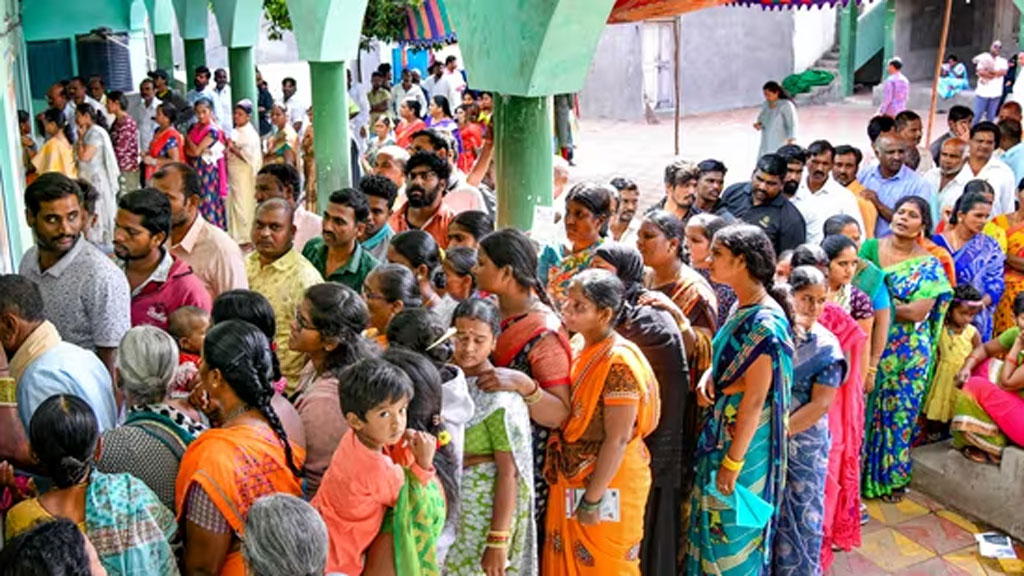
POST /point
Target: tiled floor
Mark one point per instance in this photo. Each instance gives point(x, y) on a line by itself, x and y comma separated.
point(920, 537)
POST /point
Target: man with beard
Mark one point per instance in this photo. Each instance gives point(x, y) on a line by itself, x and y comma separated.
point(709, 188)
point(337, 255)
point(380, 195)
point(214, 257)
point(277, 271)
point(629, 197)
point(819, 196)
point(889, 179)
point(282, 181)
point(680, 190)
point(426, 179)
point(159, 282)
point(844, 171)
point(766, 206)
point(949, 178)
point(86, 296)
point(796, 159)
point(460, 195)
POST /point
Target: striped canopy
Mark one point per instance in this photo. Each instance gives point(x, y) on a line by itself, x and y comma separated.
point(428, 25)
point(636, 10)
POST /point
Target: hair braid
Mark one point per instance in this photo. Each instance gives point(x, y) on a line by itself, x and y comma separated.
point(270, 414)
point(542, 293)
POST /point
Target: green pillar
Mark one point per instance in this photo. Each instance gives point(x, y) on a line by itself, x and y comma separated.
point(195, 56)
point(523, 157)
point(243, 78)
point(888, 35)
point(848, 45)
point(164, 52)
point(330, 119)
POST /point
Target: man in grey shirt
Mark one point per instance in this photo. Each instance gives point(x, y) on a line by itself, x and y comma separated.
point(85, 294)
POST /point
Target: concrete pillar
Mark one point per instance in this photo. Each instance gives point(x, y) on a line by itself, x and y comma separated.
point(330, 122)
point(888, 36)
point(243, 78)
point(164, 52)
point(848, 46)
point(523, 157)
point(195, 56)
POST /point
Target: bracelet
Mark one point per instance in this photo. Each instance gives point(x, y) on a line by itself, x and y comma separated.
point(732, 465)
point(535, 396)
point(585, 506)
point(498, 537)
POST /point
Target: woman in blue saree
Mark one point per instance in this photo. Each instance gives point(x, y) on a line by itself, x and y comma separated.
point(743, 435)
point(953, 78)
point(819, 368)
point(920, 294)
point(979, 259)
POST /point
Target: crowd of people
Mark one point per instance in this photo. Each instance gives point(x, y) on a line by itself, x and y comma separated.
point(208, 377)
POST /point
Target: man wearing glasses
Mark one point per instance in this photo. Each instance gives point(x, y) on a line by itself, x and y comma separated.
point(426, 179)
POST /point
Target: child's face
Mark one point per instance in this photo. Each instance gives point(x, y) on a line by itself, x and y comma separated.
point(384, 423)
point(474, 342)
point(964, 315)
point(193, 342)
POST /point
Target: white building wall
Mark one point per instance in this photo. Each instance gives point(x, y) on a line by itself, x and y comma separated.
point(814, 34)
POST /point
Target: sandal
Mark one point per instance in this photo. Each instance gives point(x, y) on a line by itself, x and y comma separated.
point(896, 496)
point(975, 455)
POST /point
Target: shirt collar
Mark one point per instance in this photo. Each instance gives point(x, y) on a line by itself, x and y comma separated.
point(58, 267)
point(188, 243)
point(352, 266)
point(898, 176)
point(160, 274)
point(378, 237)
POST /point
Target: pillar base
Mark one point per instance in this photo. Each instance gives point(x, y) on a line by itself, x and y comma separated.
point(243, 79)
point(523, 155)
point(195, 56)
point(330, 119)
point(164, 52)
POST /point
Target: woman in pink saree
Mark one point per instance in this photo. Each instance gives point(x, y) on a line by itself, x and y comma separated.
point(846, 425)
point(205, 148)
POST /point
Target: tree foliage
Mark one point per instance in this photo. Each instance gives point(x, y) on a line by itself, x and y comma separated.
point(385, 20)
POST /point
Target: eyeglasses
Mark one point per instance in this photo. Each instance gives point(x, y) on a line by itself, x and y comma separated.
point(301, 322)
point(368, 295)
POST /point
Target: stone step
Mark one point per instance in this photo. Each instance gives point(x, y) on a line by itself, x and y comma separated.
point(991, 493)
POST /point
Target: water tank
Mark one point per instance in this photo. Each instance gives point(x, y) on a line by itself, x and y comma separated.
point(106, 55)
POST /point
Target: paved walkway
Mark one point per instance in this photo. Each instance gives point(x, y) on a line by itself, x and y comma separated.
point(920, 537)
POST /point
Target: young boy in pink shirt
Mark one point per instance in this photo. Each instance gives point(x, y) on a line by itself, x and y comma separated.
point(362, 481)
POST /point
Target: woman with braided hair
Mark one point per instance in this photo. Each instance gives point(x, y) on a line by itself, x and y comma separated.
point(245, 456)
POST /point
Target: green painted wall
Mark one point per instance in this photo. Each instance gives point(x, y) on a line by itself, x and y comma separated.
point(75, 17)
point(192, 16)
point(329, 28)
point(239, 22)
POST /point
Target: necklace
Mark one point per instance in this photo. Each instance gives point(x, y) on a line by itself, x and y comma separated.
point(242, 409)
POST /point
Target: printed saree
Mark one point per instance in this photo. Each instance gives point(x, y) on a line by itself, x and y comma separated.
point(213, 174)
point(979, 262)
point(162, 142)
point(904, 372)
point(235, 467)
point(1012, 278)
point(716, 544)
point(612, 372)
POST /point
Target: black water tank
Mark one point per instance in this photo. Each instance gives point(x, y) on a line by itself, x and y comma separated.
point(106, 56)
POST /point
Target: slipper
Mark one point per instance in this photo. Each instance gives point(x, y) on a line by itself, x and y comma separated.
point(975, 455)
point(896, 496)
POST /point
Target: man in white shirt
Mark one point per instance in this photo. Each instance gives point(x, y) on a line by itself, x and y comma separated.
point(982, 164)
point(296, 108)
point(991, 67)
point(948, 178)
point(908, 127)
point(358, 125)
point(144, 113)
point(434, 73)
point(222, 107)
point(819, 196)
point(406, 89)
point(451, 84)
point(77, 94)
point(201, 89)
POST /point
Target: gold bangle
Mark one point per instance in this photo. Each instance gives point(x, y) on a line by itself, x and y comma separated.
point(534, 397)
point(732, 465)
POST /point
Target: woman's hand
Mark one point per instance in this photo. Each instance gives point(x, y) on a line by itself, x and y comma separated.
point(20, 490)
point(494, 561)
point(662, 302)
point(705, 390)
point(588, 517)
point(726, 481)
point(757, 125)
point(505, 380)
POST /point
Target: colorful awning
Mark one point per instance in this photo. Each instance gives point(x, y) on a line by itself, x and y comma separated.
point(790, 4)
point(636, 10)
point(429, 24)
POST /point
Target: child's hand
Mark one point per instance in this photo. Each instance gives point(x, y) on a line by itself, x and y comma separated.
point(423, 446)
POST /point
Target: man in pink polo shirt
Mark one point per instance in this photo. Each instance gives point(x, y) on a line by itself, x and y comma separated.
point(159, 282)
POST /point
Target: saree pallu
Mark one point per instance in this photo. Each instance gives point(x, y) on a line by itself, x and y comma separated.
point(416, 523)
point(904, 373)
point(979, 262)
point(235, 467)
point(104, 174)
point(943, 256)
point(987, 416)
point(549, 366)
point(162, 142)
point(818, 361)
point(557, 266)
point(871, 281)
point(479, 486)
point(612, 372)
point(128, 525)
point(716, 544)
point(695, 297)
point(953, 80)
point(213, 176)
point(1013, 280)
point(242, 183)
point(841, 525)
point(56, 155)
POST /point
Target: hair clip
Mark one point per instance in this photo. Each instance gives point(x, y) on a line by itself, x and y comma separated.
point(448, 334)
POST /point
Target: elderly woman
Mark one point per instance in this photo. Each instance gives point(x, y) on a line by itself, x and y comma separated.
point(283, 147)
point(588, 207)
point(152, 440)
point(244, 162)
point(271, 547)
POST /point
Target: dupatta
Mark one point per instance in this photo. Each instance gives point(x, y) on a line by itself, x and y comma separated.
point(158, 143)
point(196, 135)
point(129, 526)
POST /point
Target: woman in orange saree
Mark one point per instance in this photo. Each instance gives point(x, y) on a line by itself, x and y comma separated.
point(598, 466)
point(1013, 224)
point(246, 456)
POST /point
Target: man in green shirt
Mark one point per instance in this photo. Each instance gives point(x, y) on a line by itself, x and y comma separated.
point(337, 254)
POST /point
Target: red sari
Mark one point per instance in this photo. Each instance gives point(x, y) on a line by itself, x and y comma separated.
point(846, 425)
point(405, 130)
point(161, 144)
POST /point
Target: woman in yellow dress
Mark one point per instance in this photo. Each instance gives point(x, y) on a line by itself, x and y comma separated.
point(57, 154)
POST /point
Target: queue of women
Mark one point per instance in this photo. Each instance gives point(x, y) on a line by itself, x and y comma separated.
point(691, 404)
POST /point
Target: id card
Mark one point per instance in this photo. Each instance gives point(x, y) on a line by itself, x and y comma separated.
point(609, 505)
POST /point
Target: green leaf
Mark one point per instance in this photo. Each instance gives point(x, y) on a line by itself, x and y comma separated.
point(385, 20)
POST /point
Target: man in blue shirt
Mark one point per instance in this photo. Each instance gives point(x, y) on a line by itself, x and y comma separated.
point(43, 365)
point(889, 180)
